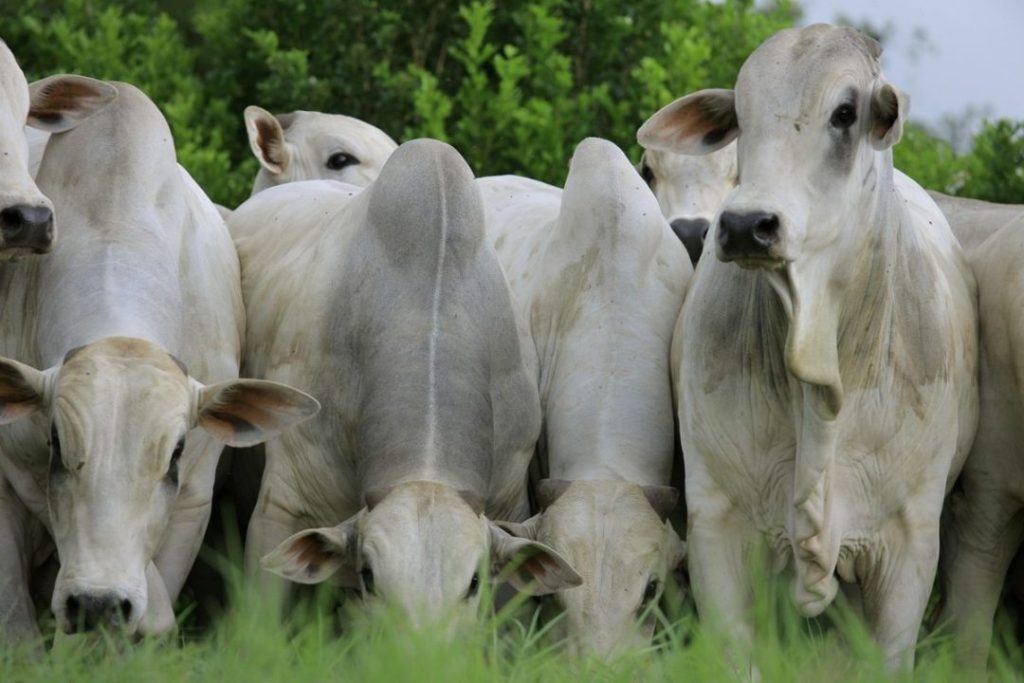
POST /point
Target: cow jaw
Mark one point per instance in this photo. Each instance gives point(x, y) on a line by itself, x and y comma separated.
point(625, 553)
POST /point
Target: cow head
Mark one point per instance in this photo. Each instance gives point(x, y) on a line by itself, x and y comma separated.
point(305, 145)
point(814, 110)
point(120, 413)
point(616, 535)
point(421, 546)
point(54, 104)
point(689, 188)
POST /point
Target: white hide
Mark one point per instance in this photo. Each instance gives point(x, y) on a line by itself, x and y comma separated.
point(307, 145)
point(391, 307)
point(601, 278)
point(826, 385)
point(983, 529)
point(129, 338)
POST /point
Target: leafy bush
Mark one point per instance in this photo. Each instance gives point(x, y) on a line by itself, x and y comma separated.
point(514, 86)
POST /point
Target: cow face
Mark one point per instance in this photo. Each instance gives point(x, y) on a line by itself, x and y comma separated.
point(689, 190)
point(119, 413)
point(421, 548)
point(307, 145)
point(616, 535)
point(53, 105)
point(813, 109)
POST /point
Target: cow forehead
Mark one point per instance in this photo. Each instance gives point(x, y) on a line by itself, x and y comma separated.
point(139, 369)
point(12, 82)
point(324, 129)
point(793, 69)
point(596, 521)
point(422, 518)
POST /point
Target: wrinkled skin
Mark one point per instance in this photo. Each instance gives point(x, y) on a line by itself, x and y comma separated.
point(405, 324)
point(306, 145)
point(601, 278)
point(129, 335)
point(825, 362)
point(689, 190)
point(983, 530)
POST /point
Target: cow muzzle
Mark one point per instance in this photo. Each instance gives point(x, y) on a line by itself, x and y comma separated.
point(751, 239)
point(691, 232)
point(27, 229)
point(85, 612)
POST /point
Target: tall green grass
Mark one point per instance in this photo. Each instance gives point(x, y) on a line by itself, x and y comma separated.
point(252, 641)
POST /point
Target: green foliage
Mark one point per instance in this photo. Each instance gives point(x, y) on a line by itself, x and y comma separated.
point(513, 85)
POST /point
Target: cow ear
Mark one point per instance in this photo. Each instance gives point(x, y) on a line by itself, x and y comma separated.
point(59, 103)
point(21, 390)
point(529, 566)
point(696, 124)
point(889, 109)
point(266, 138)
point(527, 529)
point(245, 412)
point(314, 555)
point(662, 498)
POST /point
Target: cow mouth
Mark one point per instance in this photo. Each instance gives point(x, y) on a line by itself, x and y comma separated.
point(756, 262)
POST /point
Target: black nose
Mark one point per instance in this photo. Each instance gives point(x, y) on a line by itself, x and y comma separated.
point(747, 235)
point(691, 232)
point(87, 612)
point(28, 227)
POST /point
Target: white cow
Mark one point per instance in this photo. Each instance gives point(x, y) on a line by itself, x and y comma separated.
point(601, 278)
point(690, 189)
point(26, 216)
point(984, 529)
point(136, 322)
point(307, 145)
point(391, 306)
point(826, 360)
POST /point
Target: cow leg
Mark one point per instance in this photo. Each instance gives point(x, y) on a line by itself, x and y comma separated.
point(897, 576)
point(983, 532)
point(18, 528)
point(718, 554)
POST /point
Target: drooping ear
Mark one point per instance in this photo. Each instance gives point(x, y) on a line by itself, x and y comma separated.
point(696, 124)
point(21, 390)
point(550, 490)
point(527, 529)
point(245, 412)
point(889, 109)
point(529, 566)
point(662, 498)
point(266, 138)
point(314, 555)
point(59, 103)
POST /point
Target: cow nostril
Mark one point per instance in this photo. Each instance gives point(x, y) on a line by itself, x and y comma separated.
point(126, 610)
point(766, 229)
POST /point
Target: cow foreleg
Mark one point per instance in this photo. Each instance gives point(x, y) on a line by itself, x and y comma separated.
point(983, 531)
point(896, 578)
point(17, 529)
point(718, 549)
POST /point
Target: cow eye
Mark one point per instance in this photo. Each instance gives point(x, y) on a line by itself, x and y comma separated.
point(340, 160)
point(647, 174)
point(474, 586)
point(56, 459)
point(366, 574)
point(650, 594)
point(172, 469)
point(844, 116)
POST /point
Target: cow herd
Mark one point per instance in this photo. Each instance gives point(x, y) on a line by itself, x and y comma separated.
point(504, 370)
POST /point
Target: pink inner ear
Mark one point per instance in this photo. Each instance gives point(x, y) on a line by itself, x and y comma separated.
point(60, 96)
point(269, 141)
